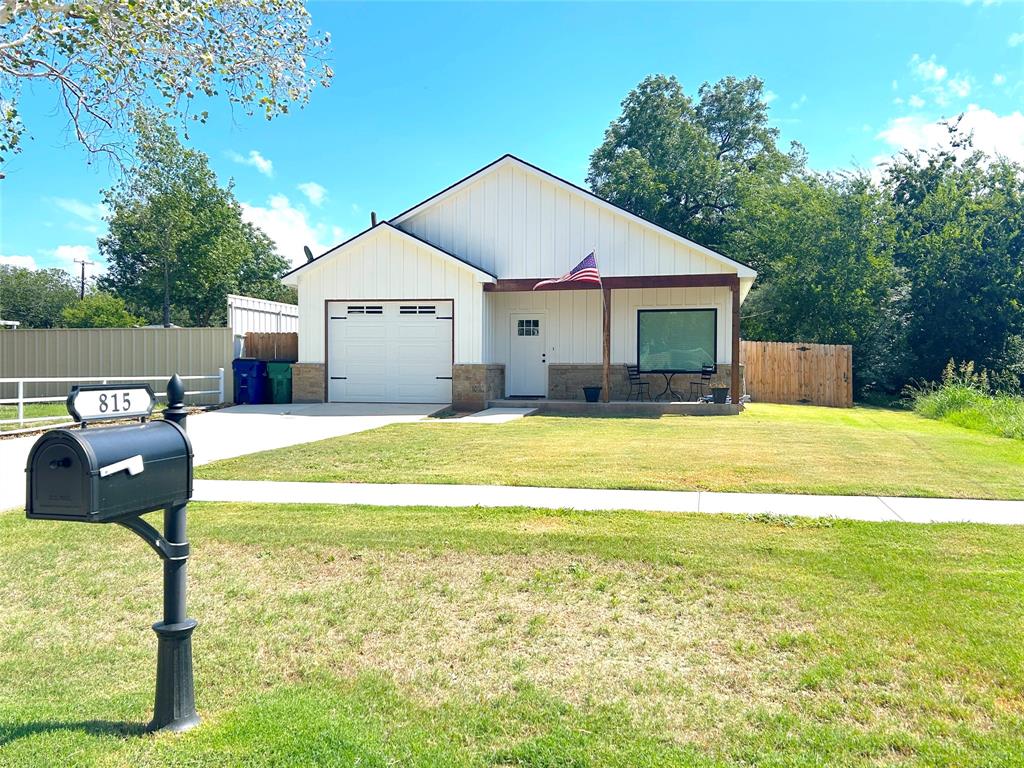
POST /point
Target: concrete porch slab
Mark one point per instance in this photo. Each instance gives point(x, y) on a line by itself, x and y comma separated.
point(617, 408)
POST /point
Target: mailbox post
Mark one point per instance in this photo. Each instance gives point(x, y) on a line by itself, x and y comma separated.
point(116, 475)
point(175, 707)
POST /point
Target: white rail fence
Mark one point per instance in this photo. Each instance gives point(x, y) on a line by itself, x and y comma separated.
point(21, 400)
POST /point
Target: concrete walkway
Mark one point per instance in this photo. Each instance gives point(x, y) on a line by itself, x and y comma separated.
point(237, 431)
point(871, 508)
point(491, 416)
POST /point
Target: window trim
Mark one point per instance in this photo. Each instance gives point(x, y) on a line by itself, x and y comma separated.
point(714, 315)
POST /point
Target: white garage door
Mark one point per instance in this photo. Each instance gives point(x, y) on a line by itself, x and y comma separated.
point(389, 351)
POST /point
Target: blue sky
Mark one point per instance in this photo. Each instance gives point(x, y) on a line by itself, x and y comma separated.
point(427, 93)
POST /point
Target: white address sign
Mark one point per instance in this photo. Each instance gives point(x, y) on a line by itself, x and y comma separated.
point(99, 402)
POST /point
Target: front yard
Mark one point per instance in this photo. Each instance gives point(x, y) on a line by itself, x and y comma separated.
point(443, 637)
point(768, 448)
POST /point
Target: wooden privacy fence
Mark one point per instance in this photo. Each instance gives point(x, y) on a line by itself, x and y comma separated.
point(272, 346)
point(788, 372)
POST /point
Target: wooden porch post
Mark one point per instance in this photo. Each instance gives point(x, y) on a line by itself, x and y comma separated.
point(735, 388)
point(606, 344)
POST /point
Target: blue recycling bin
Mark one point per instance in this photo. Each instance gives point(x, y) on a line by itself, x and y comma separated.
point(251, 383)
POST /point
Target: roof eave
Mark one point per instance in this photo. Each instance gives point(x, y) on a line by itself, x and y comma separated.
point(292, 277)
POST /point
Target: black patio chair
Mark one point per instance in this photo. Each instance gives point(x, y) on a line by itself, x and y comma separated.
point(637, 384)
point(706, 372)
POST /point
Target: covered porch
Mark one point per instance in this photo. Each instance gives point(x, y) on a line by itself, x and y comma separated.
point(547, 344)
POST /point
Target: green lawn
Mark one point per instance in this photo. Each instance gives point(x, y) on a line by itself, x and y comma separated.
point(439, 637)
point(768, 448)
point(33, 410)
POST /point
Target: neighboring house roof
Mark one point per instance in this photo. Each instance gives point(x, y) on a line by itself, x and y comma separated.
point(482, 274)
point(742, 270)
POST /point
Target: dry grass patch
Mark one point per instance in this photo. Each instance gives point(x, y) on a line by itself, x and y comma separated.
point(621, 638)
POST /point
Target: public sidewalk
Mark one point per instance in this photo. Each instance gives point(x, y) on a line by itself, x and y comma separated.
point(237, 431)
point(871, 508)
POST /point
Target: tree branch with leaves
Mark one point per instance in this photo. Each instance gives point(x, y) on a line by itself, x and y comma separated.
point(106, 60)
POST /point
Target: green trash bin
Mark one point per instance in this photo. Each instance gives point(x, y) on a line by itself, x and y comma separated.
point(280, 375)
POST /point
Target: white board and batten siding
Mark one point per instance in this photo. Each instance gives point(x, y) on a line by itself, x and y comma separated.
point(385, 264)
point(519, 223)
point(573, 320)
point(247, 314)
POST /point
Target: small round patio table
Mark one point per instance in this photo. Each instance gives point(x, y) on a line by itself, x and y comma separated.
point(669, 375)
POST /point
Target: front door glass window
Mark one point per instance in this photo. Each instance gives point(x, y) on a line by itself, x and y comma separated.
point(528, 327)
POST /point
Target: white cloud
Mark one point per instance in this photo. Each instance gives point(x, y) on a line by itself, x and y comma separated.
point(928, 69)
point(895, 85)
point(65, 255)
point(935, 84)
point(799, 102)
point(88, 217)
point(256, 160)
point(68, 253)
point(24, 262)
point(770, 96)
point(993, 133)
point(998, 79)
point(1015, 39)
point(290, 228)
point(314, 192)
point(961, 86)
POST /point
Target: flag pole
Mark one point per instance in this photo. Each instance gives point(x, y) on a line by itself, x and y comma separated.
point(606, 342)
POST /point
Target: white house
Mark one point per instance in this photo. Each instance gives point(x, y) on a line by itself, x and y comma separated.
point(436, 304)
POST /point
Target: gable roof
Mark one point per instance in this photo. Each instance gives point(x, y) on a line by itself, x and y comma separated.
point(742, 270)
point(483, 275)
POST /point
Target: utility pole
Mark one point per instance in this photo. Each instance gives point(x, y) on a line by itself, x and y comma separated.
point(166, 249)
point(167, 294)
point(81, 284)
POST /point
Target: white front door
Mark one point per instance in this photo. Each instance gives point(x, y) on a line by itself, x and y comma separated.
point(389, 351)
point(528, 366)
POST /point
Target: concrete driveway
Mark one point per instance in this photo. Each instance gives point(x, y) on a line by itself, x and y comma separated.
point(239, 430)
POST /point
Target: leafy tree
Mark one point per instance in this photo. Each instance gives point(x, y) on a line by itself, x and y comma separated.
point(826, 272)
point(35, 297)
point(99, 310)
point(173, 229)
point(105, 60)
point(960, 241)
point(686, 164)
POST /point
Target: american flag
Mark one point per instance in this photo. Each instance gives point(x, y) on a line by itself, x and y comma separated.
point(584, 272)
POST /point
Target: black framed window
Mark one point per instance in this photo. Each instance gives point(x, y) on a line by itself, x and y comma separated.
point(676, 340)
point(528, 327)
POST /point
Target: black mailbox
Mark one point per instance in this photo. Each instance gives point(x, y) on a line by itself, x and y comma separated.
point(116, 475)
point(108, 473)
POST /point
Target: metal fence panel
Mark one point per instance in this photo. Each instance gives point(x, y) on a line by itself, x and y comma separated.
point(92, 352)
